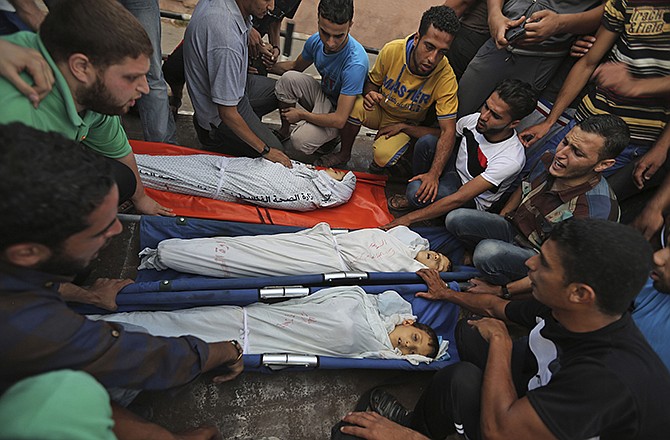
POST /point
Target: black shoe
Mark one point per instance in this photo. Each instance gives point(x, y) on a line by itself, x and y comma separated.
point(375, 169)
point(328, 147)
point(388, 406)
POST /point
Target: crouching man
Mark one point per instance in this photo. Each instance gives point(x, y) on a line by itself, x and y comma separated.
point(585, 371)
point(58, 206)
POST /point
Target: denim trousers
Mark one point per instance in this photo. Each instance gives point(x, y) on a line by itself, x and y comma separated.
point(495, 254)
point(449, 183)
point(157, 122)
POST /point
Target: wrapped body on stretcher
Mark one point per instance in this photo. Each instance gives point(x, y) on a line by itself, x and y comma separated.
point(338, 321)
point(311, 251)
point(242, 179)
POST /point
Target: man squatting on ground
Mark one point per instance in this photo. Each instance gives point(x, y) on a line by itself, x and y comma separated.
point(342, 63)
point(227, 101)
point(584, 372)
point(488, 159)
point(409, 77)
point(59, 200)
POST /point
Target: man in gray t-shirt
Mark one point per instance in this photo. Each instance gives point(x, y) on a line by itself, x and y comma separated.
point(227, 101)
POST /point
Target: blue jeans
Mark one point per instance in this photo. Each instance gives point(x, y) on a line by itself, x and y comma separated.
point(157, 121)
point(492, 236)
point(450, 182)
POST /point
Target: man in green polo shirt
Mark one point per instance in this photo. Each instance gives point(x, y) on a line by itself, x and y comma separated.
point(99, 55)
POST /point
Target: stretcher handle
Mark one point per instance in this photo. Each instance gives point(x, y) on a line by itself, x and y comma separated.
point(337, 276)
point(283, 292)
point(278, 361)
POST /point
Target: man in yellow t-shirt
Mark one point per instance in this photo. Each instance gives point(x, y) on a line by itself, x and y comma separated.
point(409, 76)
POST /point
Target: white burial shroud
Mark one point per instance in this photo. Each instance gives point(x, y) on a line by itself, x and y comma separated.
point(311, 251)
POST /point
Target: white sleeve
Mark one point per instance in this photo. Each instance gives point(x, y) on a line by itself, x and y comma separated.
point(469, 121)
point(507, 164)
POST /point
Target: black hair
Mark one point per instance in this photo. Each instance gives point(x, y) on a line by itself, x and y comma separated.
point(337, 11)
point(612, 129)
point(519, 97)
point(102, 30)
point(613, 259)
point(49, 187)
point(443, 18)
point(432, 338)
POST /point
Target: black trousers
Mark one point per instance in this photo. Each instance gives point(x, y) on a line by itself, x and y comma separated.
point(452, 400)
point(125, 179)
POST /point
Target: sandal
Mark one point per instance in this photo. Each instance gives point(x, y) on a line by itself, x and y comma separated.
point(399, 202)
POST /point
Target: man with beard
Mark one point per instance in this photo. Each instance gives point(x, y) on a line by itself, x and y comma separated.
point(58, 207)
point(99, 55)
point(409, 77)
point(489, 157)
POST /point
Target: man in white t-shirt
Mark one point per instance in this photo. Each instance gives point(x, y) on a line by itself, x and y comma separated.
point(489, 157)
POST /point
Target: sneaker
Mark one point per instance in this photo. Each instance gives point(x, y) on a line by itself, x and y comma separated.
point(388, 406)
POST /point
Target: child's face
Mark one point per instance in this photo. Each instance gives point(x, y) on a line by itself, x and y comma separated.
point(410, 340)
point(335, 174)
point(434, 260)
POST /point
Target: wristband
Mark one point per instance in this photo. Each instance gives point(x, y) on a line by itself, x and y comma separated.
point(265, 151)
point(239, 349)
point(505, 292)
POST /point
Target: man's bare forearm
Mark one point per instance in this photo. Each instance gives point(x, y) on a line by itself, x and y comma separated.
point(370, 87)
point(445, 146)
point(481, 304)
point(233, 120)
point(498, 392)
point(582, 22)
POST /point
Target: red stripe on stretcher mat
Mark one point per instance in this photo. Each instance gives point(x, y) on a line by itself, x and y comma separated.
point(367, 207)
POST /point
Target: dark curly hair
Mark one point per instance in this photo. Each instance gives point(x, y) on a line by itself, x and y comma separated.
point(611, 258)
point(443, 18)
point(337, 11)
point(50, 185)
point(519, 97)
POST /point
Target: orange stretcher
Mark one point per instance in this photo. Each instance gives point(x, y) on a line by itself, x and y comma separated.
point(367, 207)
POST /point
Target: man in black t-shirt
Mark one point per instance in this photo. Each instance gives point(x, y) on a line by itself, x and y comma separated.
point(584, 372)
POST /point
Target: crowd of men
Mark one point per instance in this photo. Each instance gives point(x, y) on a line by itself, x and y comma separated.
point(530, 123)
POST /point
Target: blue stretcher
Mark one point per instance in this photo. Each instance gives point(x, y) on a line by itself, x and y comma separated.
point(171, 290)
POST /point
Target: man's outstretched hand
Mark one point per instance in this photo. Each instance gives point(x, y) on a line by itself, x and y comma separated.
point(437, 289)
